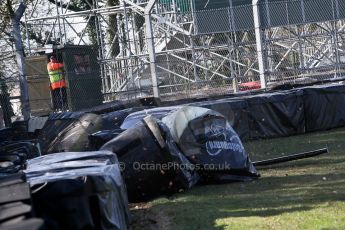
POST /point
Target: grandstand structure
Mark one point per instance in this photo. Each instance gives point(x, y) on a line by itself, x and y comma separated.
point(188, 48)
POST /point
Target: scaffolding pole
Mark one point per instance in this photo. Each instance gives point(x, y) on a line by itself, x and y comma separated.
point(151, 47)
point(259, 43)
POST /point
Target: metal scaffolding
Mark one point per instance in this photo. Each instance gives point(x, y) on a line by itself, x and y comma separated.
point(171, 49)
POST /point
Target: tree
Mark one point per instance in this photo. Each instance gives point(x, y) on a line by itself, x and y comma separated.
point(6, 58)
point(112, 29)
point(5, 101)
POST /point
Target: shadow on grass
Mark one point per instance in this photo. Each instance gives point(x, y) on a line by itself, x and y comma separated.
point(202, 206)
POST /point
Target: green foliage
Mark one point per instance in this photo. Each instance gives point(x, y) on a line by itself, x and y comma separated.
point(91, 30)
point(6, 14)
point(5, 102)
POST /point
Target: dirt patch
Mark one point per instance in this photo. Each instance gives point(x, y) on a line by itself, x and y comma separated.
point(145, 217)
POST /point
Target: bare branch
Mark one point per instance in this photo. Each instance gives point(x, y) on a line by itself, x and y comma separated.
point(71, 7)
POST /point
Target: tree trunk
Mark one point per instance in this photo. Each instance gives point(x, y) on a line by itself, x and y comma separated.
point(24, 95)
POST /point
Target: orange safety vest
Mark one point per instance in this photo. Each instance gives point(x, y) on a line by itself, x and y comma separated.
point(55, 71)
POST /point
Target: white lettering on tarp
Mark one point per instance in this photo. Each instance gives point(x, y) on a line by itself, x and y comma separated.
point(224, 145)
point(215, 147)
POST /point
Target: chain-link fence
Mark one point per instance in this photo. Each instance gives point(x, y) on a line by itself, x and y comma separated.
point(196, 48)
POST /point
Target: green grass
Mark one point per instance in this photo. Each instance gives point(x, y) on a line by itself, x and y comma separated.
point(304, 194)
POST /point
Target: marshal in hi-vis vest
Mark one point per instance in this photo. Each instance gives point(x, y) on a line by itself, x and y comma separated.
point(55, 71)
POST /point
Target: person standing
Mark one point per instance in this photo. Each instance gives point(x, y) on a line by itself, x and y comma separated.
point(57, 84)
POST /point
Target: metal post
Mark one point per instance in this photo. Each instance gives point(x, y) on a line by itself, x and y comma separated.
point(58, 19)
point(232, 70)
point(259, 43)
point(237, 55)
point(27, 34)
point(24, 95)
point(129, 47)
point(335, 47)
point(99, 36)
point(300, 30)
point(196, 77)
point(151, 47)
point(186, 68)
point(334, 33)
point(204, 44)
point(168, 62)
point(64, 24)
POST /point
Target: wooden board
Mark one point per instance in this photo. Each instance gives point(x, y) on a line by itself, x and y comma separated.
point(38, 84)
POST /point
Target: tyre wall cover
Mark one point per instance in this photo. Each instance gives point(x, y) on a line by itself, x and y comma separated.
point(98, 139)
point(208, 141)
point(142, 158)
point(66, 132)
point(87, 185)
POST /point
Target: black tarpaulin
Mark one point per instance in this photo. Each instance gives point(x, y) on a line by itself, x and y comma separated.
point(276, 114)
point(6, 134)
point(79, 190)
point(20, 130)
point(105, 108)
point(208, 141)
point(10, 164)
point(152, 163)
point(15, 204)
point(98, 139)
point(14, 154)
point(115, 119)
point(68, 131)
point(324, 107)
point(30, 148)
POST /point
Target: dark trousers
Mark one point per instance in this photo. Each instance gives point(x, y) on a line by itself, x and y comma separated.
point(59, 98)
